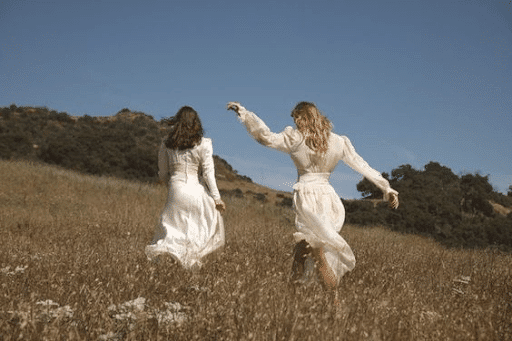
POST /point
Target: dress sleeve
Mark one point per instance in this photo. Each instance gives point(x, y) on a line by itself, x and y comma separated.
point(356, 162)
point(163, 163)
point(209, 169)
point(284, 141)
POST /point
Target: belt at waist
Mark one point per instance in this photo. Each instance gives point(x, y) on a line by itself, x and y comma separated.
point(311, 179)
point(187, 177)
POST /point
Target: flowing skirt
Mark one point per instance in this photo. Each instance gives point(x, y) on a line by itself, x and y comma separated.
point(190, 227)
point(319, 217)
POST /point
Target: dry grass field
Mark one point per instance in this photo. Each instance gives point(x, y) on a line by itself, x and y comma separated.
point(72, 267)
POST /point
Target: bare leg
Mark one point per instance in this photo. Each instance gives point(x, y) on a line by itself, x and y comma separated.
point(300, 253)
point(326, 272)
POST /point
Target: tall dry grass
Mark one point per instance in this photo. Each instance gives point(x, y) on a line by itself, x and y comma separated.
point(72, 267)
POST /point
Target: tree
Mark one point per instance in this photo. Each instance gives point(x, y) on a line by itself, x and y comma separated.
point(14, 143)
point(5, 113)
point(436, 202)
point(60, 116)
point(444, 175)
point(368, 189)
point(476, 192)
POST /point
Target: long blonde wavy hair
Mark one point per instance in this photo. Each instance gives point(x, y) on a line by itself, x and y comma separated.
point(315, 127)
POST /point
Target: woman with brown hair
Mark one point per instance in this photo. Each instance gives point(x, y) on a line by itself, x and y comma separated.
point(191, 225)
point(316, 150)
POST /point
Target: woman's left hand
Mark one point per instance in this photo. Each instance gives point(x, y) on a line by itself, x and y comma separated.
point(393, 200)
point(220, 205)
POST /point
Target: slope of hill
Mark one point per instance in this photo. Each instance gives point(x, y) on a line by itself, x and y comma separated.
point(466, 212)
point(124, 145)
point(72, 266)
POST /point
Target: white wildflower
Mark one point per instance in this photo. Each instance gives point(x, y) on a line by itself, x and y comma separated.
point(110, 336)
point(20, 269)
point(462, 279)
point(64, 312)
point(458, 291)
point(50, 310)
point(137, 304)
point(47, 303)
point(130, 311)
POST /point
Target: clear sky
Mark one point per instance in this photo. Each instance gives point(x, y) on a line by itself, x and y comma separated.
point(408, 81)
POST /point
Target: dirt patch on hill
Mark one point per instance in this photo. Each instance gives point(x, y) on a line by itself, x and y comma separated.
point(500, 209)
point(256, 191)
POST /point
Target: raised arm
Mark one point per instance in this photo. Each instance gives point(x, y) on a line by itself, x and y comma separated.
point(284, 141)
point(356, 162)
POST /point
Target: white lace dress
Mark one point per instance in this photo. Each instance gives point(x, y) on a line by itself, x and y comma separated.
point(190, 227)
point(319, 211)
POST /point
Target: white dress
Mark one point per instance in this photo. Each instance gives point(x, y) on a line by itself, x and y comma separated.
point(190, 227)
point(319, 211)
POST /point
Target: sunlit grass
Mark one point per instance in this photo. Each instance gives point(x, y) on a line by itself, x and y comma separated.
point(72, 266)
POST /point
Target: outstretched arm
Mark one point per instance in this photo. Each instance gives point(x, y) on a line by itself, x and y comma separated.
point(283, 141)
point(356, 162)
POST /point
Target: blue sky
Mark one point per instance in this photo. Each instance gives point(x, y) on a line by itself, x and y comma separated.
point(408, 81)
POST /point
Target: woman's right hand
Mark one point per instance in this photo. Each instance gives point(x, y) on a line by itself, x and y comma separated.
point(235, 106)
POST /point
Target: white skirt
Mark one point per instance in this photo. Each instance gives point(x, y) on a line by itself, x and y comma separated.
point(319, 217)
point(190, 227)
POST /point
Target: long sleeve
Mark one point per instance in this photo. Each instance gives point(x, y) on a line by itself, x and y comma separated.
point(209, 169)
point(356, 162)
point(163, 164)
point(284, 141)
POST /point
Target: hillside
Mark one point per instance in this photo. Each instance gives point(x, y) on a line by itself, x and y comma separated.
point(124, 145)
point(456, 210)
point(72, 266)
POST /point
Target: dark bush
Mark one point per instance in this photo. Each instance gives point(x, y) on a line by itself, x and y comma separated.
point(287, 202)
point(86, 119)
point(260, 197)
point(5, 113)
point(14, 144)
point(60, 116)
point(435, 202)
point(237, 193)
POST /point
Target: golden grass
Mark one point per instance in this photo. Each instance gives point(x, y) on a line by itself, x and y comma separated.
point(72, 266)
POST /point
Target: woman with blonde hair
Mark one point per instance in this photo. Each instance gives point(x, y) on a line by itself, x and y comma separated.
point(320, 214)
point(191, 225)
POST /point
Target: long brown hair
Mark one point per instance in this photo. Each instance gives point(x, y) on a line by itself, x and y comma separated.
point(187, 130)
point(315, 127)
